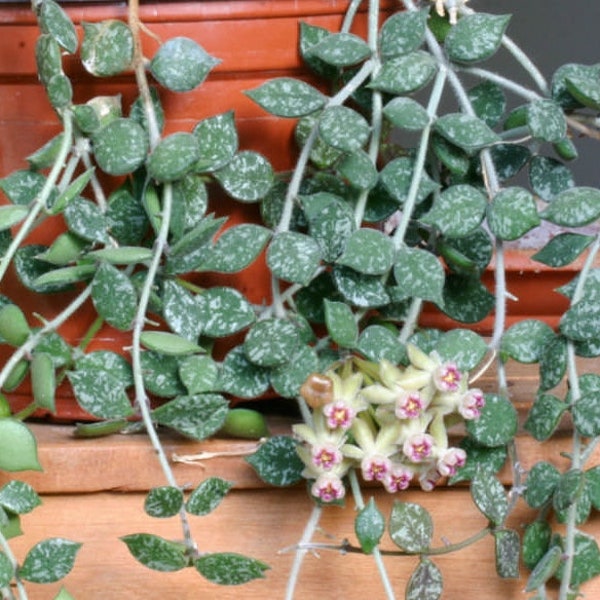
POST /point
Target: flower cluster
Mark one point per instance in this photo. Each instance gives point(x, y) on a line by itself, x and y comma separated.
point(453, 7)
point(390, 422)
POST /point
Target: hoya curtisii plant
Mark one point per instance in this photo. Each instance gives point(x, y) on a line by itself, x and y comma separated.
point(371, 224)
point(134, 223)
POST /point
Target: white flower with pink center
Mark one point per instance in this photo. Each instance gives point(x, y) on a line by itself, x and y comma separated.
point(419, 447)
point(447, 377)
point(338, 415)
point(471, 404)
point(429, 480)
point(397, 479)
point(328, 488)
point(375, 467)
point(451, 461)
point(409, 405)
point(326, 456)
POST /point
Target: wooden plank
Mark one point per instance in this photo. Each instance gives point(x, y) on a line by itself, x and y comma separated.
point(262, 524)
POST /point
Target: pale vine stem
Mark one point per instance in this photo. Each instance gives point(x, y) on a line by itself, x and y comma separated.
point(577, 456)
point(7, 593)
point(160, 246)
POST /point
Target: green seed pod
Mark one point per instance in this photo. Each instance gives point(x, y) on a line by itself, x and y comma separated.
point(4, 407)
point(16, 376)
point(245, 423)
point(65, 249)
point(566, 149)
point(171, 344)
point(125, 255)
point(153, 207)
point(66, 275)
point(43, 381)
point(14, 328)
point(93, 430)
point(516, 118)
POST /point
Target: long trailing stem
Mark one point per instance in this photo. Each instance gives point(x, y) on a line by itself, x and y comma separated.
point(7, 593)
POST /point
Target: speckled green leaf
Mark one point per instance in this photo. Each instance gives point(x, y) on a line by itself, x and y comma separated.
point(525, 340)
point(341, 324)
point(341, 49)
point(161, 374)
point(224, 311)
point(271, 342)
point(288, 378)
point(574, 207)
point(163, 502)
point(181, 64)
point(397, 175)
point(344, 128)
point(479, 457)
point(582, 321)
point(277, 462)
point(586, 563)
point(405, 74)
point(466, 131)
point(207, 496)
point(568, 490)
point(457, 211)
point(197, 416)
point(18, 497)
point(49, 560)
point(173, 157)
point(23, 186)
point(293, 257)
point(536, 541)
point(85, 219)
point(365, 291)
point(45, 156)
point(181, 311)
point(553, 362)
point(120, 147)
point(542, 480)
point(6, 568)
point(368, 251)
point(489, 496)
point(507, 544)
point(369, 526)
point(509, 159)
point(546, 120)
point(127, 221)
point(571, 72)
point(287, 97)
point(586, 415)
point(549, 177)
point(48, 58)
point(59, 90)
point(426, 582)
point(466, 299)
point(18, 447)
point(512, 213)
point(585, 90)
point(240, 377)
point(358, 169)
point(236, 248)
point(463, 347)
point(418, 274)
point(455, 159)
point(190, 201)
point(377, 342)
point(331, 222)
point(227, 568)
point(99, 384)
point(30, 268)
point(155, 552)
point(402, 33)
point(475, 37)
point(592, 477)
point(247, 177)
point(563, 249)
point(107, 47)
point(410, 527)
point(217, 141)
point(497, 424)
point(198, 373)
point(488, 102)
point(114, 296)
point(406, 113)
point(11, 215)
point(544, 416)
point(55, 21)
